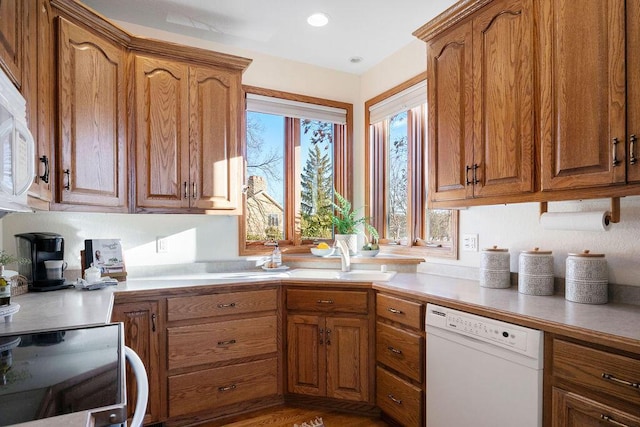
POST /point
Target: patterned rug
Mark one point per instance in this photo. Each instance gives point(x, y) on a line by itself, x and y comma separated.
point(317, 422)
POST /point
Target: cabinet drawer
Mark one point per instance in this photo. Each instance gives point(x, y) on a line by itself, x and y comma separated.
point(197, 306)
point(327, 301)
point(400, 350)
point(220, 341)
point(214, 388)
point(398, 398)
point(604, 372)
point(402, 311)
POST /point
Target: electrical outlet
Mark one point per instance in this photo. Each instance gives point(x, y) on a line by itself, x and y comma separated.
point(162, 245)
point(470, 242)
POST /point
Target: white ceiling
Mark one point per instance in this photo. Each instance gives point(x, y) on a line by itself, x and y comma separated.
point(369, 29)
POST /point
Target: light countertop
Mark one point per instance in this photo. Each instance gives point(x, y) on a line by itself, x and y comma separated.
point(73, 307)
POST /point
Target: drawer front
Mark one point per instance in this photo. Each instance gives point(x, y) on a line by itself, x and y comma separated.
point(327, 301)
point(198, 306)
point(398, 398)
point(214, 388)
point(402, 311)
point(221, 341)
point(604, 372)
point(400, 350)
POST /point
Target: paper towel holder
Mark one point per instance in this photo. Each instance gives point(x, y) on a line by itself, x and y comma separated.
point(613, 215)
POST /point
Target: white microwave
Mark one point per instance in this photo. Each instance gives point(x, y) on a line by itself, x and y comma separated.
point(17, 149)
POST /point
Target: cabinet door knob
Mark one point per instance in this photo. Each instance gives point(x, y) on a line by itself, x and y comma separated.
point(45, 176)
point(186, 190)
point(610, 420)
point(194, 191)
point(466, 174)
point(153, 322)
point(67, 186)
point(615, 161)
point(632, 149)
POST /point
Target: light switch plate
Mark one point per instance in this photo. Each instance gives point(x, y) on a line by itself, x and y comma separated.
point(470, 242)
point(162, 245)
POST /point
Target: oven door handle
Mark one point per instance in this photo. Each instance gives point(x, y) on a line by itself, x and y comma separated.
point(142, 384)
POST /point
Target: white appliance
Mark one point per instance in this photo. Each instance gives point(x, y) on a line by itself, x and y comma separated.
point(481, 372)
point(16, 149)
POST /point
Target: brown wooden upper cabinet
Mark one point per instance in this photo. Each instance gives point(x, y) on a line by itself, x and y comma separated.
point(480, 93)
point(583, 92)
point(92, 140)
point(187, 148)
point(633, 90)
point(11, 38)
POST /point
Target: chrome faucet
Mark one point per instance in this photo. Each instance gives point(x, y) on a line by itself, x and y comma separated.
point(344, 254)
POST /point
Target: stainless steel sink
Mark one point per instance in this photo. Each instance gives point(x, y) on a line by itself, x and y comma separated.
point(354, 275)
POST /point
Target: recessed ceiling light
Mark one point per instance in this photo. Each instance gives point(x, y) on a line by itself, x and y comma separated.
point(318, 20)
point(355, 59)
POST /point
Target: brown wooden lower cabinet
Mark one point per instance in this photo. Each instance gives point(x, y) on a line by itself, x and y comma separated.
point(574, 410)
point(590, 385)
point(328, 343)
point(211, 389)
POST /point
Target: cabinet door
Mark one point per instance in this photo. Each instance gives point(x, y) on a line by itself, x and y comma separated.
point(142, 335)
point(306, 355)
point(573, 410)
point(92, 120)
point(633, 89)
point(503, 98)
point(214, 112)
point(582, 93)
point(450, 114)
point(41, 99)
point(162, 133)
point(347, 347)
point(11, 14)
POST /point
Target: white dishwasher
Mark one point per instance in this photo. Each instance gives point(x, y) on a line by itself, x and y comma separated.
point(482, 372)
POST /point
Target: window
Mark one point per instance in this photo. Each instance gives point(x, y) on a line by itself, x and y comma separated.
point(297, 150)
point(396, 169)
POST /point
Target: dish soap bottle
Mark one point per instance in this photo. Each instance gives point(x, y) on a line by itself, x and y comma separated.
point(276, 257)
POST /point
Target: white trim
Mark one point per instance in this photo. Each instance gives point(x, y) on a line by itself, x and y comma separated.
point(401, 101)
point(295, 109)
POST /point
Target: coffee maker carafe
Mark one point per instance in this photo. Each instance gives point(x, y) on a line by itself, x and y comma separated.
point(38, 248)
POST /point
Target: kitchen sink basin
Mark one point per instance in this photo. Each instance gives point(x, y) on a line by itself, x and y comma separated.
point(355, 275)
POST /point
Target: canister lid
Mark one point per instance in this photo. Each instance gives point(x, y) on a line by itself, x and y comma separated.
point(586, 254)
point(495, 249)
point(537, 251)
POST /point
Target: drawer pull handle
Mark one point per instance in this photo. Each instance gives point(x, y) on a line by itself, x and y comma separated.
point(610, 420)
point(320, 332)
point(395, 310)
point(325, 301)
point(632, 149)
point(619, 381)
point(154, 317)
point(227, 388)
point(615, 161)
point(328, 337)
point(394, 400)
point(230, 305)
point(226, 342)
point(394, 350)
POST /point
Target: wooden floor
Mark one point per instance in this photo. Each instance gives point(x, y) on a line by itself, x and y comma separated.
point(287, 416)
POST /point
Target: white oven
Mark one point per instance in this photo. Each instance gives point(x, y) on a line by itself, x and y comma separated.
point(17, 149)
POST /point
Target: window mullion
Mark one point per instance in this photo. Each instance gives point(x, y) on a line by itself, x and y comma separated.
point(292, 181)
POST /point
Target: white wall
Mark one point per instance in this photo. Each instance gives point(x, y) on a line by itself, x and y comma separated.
point(211, 238)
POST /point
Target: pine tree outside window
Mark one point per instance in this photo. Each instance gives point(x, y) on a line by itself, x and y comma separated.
point(396, 187)
point(297, 151)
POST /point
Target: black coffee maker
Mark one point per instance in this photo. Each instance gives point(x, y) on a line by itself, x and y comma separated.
point(38, 248)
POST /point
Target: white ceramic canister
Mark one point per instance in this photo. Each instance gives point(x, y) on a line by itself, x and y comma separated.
point(587, 278)
point(495, 268)
point(535, 272)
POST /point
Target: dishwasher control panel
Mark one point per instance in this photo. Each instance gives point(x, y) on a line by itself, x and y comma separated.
point(517, 338)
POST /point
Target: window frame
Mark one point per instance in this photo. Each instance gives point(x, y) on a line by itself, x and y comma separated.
point(342, 170)
point(375, 181)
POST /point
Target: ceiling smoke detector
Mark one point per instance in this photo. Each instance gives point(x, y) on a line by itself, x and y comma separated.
point(318, 20)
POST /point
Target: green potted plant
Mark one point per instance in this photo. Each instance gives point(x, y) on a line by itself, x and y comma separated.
point(7, 258)
point(346, 222)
